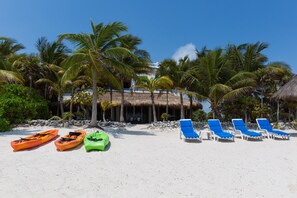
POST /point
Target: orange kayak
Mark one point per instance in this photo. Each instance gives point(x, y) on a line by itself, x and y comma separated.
point(33, 140)
point(71, 140)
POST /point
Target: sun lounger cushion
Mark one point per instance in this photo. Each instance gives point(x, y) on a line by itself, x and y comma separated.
point(215, 126)
point(186, 127)
point(239, 125)
point(265, 124)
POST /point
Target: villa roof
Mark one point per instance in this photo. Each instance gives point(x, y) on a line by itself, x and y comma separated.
point(288, 92)
point(144, 99)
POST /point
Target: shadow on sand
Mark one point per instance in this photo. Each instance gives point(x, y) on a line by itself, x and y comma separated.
point(21, 132)
point(119, 132)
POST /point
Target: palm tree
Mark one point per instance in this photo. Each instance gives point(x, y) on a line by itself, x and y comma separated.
point(52, 54)
point(55, 85)
point(216, 81)
point(105, 105)
point(137, 65)
point(247, 57)
point(8, 49)
point(165, 69)
point(99, 51)
point(153, 84)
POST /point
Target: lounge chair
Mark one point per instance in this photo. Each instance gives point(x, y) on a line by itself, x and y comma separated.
point(264, 125)
point(217, 131)
point(240, 127)
point(187, 131)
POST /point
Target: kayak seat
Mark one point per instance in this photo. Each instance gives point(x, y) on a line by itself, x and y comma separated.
point(67, 139)
point(74, 133)
point(95, 139)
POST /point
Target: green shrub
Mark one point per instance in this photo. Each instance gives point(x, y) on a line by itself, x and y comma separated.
point(4, 124)
point(19, 103)
point(199, 116)
point(209, 115)
point(164, 117)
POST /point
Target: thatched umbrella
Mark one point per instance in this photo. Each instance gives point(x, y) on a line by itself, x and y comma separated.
point(288, 92)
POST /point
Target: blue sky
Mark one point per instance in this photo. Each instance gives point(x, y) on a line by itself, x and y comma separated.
point(164, 26)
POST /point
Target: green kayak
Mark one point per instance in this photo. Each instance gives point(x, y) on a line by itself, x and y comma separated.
point(96, 141)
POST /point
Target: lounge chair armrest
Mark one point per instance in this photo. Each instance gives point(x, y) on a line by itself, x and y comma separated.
point(231, 132)
point(198, 132)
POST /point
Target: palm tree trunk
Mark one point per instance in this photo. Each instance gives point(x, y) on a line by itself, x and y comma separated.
point(215, 112)
point(111, 109)
point(94, 101)
point(61, 104)
point(153, 105)
point(167, 102)
point(191, 106)
point(182, 115)
point(122, 119)
point(103, 115)
point(71, 103)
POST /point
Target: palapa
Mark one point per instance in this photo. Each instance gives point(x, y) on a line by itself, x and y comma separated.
point(144, 99)
point(288, 92)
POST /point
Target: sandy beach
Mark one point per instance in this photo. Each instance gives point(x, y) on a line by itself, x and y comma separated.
point(143, 162)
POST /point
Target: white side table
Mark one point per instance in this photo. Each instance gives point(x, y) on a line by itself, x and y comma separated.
point(206, 133)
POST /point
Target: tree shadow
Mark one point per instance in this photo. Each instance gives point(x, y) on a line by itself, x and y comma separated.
point(119, 132)
point(22, 132)
point(293, 135)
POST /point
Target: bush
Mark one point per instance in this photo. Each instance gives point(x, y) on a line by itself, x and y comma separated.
point(4, 124)
point(164, 117)
point(19, 103)
point(199, 116)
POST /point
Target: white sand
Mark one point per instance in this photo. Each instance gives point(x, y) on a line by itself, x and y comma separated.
point(150, 163)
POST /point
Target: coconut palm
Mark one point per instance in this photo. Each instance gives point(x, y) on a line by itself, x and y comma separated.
point(8, 49)
point(100, 52)
point(247, 57)
point(153, 84)
point(165, 69)
point(216, 81)
point(175, 71)
point(105, 105)
point(52, 54)
point(139, 64)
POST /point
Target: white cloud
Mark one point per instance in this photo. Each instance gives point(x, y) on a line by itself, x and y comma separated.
point(186, 50)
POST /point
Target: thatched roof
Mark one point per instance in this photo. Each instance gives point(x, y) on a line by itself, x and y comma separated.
point(288, 92)
point(144, 99)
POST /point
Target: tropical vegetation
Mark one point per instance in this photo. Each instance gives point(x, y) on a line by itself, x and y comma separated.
point(237, 81)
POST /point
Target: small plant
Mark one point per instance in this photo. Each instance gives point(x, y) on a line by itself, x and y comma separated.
point(164, 117)
point(67, 116)
point(276, 125)
point(199, 116)
point(105, 105)
point(294, 124)
point(4, 125)
point(55, 118)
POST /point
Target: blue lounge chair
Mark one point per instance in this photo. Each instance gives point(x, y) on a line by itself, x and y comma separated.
point(240, 127)
point(264, 125)
point(217, 131)
point(187, 130)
